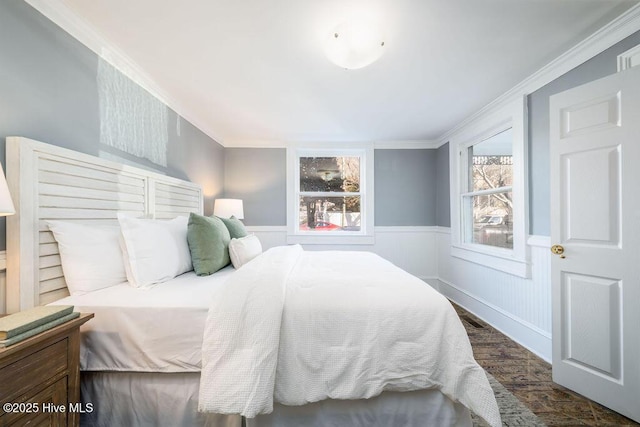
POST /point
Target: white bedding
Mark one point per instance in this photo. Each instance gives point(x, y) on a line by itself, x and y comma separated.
point(158, 399)
point(299, 327)
point(147, 330)
point(146, 399)
point(420, 408)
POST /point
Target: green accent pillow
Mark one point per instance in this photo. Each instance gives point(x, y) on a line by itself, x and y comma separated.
point(235, 227)
point(208, 240)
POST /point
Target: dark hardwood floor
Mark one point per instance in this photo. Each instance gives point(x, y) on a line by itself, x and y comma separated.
point(529, 378)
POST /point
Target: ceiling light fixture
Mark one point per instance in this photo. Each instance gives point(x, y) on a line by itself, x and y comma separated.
point(354, 44)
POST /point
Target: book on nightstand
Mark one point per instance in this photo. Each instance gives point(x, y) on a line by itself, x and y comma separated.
point(37, 329)
point(23, 321)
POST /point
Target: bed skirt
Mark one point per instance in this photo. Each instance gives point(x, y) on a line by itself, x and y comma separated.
point(159, 399)
point(146, 399)
point(402, 409)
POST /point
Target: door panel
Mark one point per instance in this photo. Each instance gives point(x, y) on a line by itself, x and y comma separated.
point(591, 115)
point(595, 217)
point(592, 323)
point(591, 198)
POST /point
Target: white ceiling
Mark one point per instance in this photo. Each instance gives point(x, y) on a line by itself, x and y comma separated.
point(254, 70)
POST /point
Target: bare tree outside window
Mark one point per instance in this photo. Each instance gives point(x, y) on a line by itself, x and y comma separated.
point(330, 198)
point(488, 200)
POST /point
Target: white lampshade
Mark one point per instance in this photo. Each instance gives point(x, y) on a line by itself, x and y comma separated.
point(354, 44)
point(226, 208)
point(6, 205)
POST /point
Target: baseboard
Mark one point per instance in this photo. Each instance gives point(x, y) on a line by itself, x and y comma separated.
point(529, 336)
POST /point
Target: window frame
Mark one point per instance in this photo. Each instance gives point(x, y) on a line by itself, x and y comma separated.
point(294, 234)
point(468, 192)
point(513, 261)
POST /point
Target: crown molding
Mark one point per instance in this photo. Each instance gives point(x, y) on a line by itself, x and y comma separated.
point(61, 15)
point(618, 29)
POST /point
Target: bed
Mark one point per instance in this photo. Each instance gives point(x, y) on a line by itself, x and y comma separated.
point(153, 357)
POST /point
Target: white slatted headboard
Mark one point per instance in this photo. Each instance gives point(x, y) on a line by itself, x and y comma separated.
point(48, 182)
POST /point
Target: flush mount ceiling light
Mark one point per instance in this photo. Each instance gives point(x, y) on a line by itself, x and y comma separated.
point(354, 44)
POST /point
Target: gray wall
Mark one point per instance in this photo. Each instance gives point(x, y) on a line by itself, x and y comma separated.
point(405, 187)
point(443, 194)
point(49, 91)
point(258, 176)
point(599, 66)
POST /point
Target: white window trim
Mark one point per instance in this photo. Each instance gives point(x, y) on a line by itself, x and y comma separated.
point(513, 261)
point(366, 234)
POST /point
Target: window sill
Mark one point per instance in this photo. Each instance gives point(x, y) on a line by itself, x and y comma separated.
point(495, 259)
point(332, 239)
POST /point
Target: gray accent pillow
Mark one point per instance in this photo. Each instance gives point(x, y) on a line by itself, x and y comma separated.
point(235, 227)
point(208, 240)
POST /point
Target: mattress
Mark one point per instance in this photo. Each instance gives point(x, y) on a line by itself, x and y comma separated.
point(147, 330)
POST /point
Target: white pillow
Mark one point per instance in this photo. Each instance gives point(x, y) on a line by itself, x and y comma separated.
point(244, 249)
point(154, 251)
point(90, 255)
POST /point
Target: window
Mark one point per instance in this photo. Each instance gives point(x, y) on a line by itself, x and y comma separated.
point(488, 202)
point(489, 212)
point(328, 196)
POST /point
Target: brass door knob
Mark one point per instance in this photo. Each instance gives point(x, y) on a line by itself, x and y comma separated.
point(558, 250)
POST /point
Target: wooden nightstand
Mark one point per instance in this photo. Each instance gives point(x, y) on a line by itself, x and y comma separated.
point(41, 377)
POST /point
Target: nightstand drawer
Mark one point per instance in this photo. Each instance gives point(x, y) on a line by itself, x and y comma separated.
point(18, 377)
point(41, 375)
point(46, 408)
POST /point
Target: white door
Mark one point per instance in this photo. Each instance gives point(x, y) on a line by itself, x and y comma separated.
point(595, 217)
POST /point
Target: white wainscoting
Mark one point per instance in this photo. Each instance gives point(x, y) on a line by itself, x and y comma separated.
point(518, 307)
point(411, 248)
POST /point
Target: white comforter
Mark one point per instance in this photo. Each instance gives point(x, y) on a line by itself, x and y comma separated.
point(296, 327)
